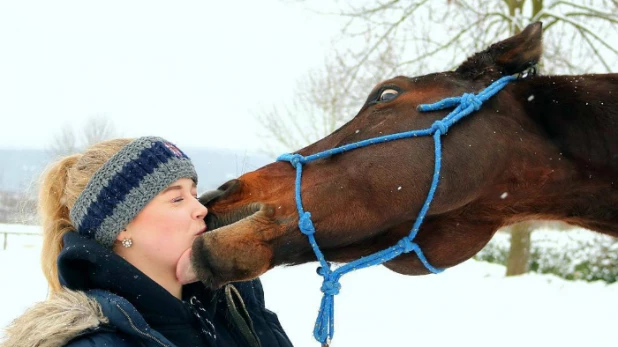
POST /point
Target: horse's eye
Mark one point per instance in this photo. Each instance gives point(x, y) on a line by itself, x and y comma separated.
point(388, 95)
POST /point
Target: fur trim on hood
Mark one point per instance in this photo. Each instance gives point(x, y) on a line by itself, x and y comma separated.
point(54, 322)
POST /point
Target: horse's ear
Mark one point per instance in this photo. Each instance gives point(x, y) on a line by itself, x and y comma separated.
point(513, 55)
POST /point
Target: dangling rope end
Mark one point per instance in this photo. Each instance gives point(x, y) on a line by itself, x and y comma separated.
point(284, 157)
point(445, 103)
point(424, 108)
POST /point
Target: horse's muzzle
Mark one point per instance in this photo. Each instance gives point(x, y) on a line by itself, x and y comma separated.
point(234, 248)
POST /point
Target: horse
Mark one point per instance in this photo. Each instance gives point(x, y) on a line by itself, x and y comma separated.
point(542, 148)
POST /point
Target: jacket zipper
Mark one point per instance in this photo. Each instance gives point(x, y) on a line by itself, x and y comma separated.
point(139, 331)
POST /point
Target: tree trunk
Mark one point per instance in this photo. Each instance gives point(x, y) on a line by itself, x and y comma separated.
point(519, 253)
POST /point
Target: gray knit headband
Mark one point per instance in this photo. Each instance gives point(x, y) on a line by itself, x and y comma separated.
point(123, 186)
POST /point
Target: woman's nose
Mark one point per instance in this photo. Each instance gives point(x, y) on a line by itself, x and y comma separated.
point(201, 211)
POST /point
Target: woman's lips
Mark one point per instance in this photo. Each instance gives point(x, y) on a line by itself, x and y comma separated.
point(201, 231)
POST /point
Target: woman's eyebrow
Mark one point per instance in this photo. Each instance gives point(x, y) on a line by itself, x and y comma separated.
point(177, 187)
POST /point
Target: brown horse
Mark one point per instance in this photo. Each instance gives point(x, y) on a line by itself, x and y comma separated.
point(545, 147)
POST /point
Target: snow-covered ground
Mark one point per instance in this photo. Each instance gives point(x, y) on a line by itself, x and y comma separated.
point(472, 304)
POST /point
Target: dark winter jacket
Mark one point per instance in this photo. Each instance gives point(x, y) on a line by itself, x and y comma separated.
point(109, 302)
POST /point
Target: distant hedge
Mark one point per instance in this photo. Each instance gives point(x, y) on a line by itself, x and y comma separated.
point(576, 254)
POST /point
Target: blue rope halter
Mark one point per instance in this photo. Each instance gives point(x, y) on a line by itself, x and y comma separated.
point(465, 104)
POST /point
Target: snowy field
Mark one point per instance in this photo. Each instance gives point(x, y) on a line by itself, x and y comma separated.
point(472, 304)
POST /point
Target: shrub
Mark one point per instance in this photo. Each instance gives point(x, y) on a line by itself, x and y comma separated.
point(575, 254)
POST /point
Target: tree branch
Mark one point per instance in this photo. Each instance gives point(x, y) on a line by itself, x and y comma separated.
point(582, 14)
point(582, 7)
point(579, 26)
point(594, 49)
point(444, 46)
point(354, 69)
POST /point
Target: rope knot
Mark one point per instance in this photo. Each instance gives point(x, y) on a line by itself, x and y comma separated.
point(407, 245)
point(330, 287)
point(296, 159)
point(469, 99)
point(305, 224)
point(440, 125)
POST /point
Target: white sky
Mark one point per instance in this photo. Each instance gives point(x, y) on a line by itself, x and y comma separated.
point(194, 72)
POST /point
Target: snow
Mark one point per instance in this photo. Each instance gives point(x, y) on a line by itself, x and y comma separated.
point(472, 304)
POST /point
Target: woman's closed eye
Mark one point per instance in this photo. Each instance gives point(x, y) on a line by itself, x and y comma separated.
point(181, 198)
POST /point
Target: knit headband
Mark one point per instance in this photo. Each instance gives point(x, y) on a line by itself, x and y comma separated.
point(123, 186)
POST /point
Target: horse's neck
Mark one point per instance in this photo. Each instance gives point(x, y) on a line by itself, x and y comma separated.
point(579, 113)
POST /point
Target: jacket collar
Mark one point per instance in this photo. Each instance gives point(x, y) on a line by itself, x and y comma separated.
point(69, 314)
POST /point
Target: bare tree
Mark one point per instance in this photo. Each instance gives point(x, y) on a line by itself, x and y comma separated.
point(385, 38)
point(98, 128)
point(70, 140)
point(323, 102)
point(439, 34)
point(64, 142)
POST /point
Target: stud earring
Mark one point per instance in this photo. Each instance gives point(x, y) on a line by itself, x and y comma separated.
point(127, 242)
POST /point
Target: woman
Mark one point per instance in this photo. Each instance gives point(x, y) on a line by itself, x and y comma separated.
point(116, 220)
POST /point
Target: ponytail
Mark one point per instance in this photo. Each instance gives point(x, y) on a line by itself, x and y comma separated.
point(61, 184)
point(54, 214)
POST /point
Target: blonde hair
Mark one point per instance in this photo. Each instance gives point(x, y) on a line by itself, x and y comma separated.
point(61, 183)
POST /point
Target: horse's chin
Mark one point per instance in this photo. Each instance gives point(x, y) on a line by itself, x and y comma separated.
point(408, 267)
point(220, 255)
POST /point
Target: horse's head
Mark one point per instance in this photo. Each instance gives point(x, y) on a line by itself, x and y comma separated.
point(367, 199)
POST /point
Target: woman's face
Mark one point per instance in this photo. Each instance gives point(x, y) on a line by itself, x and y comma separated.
point(165, 228)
